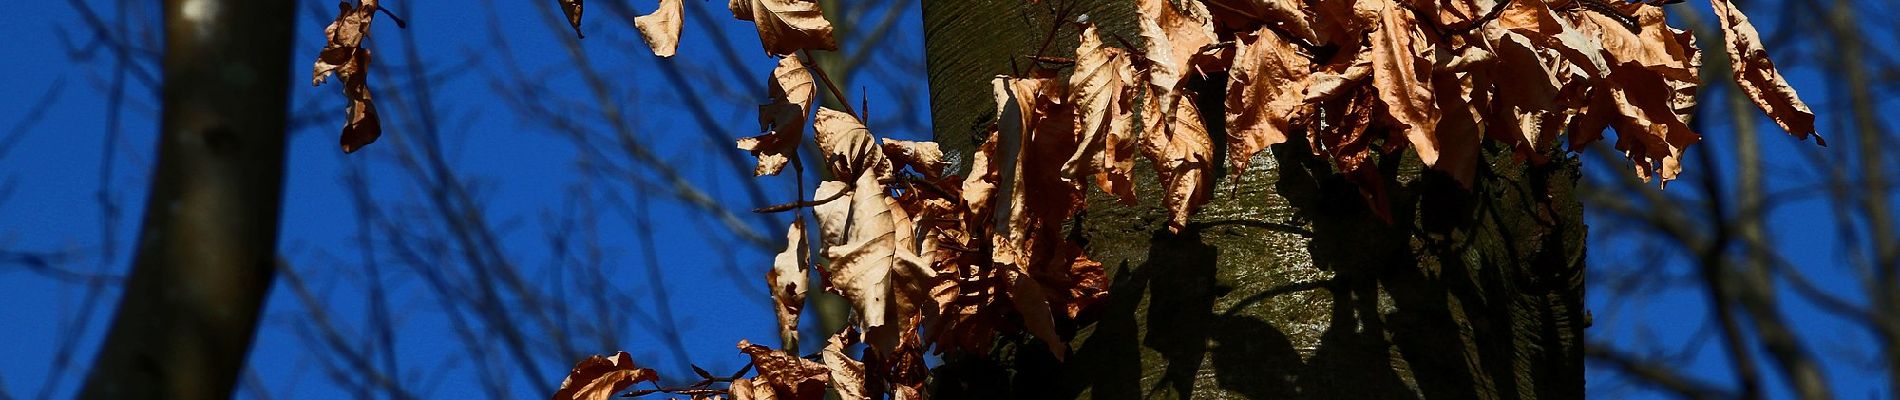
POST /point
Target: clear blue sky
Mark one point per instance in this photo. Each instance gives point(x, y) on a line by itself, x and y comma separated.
point(51, 179)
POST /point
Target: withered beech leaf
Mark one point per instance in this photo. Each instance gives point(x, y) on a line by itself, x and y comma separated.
point(1175, 138)
point(788, 376)
point(344, 56)
point(599, 378)
point(1402, 71)
point(573, 10)
point(1190, 157)
point(1757, 76)
point(924, 157)
point(751, 389)
point(861, 267)
point(1100, 91)
point(786, 26)
point(788, 281)
point(1290, 16)
point(661, 29)
point(847, 375)
point(848, 147)
point(1649, 91)
point(784, 118)
point(1030, 302)
point(1262, 93)
point(1173, 37)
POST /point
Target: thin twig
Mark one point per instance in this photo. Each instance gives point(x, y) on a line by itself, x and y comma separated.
point(800, 204)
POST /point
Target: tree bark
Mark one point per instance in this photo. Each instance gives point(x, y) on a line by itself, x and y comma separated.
point(207, 245)
point(1286, 284)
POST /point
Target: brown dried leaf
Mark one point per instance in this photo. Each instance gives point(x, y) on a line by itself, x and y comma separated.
point(599, 378)
point(344, 56)
point(1027, 296)
point(1402, 58)
point(1100, 90)
point(861, 266)
point(1176, 139)
point(1757, 76)
point(661, 29)
point(788, 376)
point(1174, 37)
point(788, 282)
point(1290, 16)
point(786, 26)
point(847, 375)
point(848, 147)
point(924, 157)
point(1649, 92)
point(573, 10)
point(1260, 100)
point(749, 389)
point(791, 90)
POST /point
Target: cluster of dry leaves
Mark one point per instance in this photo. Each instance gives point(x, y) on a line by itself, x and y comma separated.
point(931, 260)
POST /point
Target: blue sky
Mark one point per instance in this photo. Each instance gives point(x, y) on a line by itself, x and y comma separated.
point(62, 163)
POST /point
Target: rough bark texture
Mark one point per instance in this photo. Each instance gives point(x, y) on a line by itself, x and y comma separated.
point(1286, 285)
point(208, 240)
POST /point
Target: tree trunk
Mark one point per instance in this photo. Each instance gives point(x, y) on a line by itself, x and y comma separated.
point(1286, 284)
point(207, 246)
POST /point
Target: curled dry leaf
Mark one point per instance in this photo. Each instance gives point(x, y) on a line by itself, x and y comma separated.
point(1757, 76)
point(599, 378)
point(791, 90)
point(848, 147)
point(1176, 140)
point(1649, 91)
point(788, 376)
point(1288, 16)
point(344, 56)
point(786, 26)
point(1260, 97)
point(788, 281)
point(751, 389)
point(847, 374)
point(924, 157)
point(573, 10)
point(1402, 71)
point(1173, 39)
point(1101, 90)
point(871, 241)
point(661, 29)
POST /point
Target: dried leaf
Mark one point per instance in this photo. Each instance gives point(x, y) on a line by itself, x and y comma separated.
point(599, 378)
point(1649, 92)
point(788, 376)
point(1176, 139)
point(1174, 37)
point(1290, 16)
point(924, 157)
point(1260, 100)
point(847, 375)
point(1100, 90)
point(1027, 296)
point(748, 389)
point(786, 26)
point(573, 10)
point(788, 282)
point(344, 56)
point(848, 147)
point(661, 29)
point(1757, 76)
point(1402, 58)
point(791, 90)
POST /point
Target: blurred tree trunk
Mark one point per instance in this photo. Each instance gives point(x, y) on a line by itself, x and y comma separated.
point(1286, 284)
point(207, 244)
